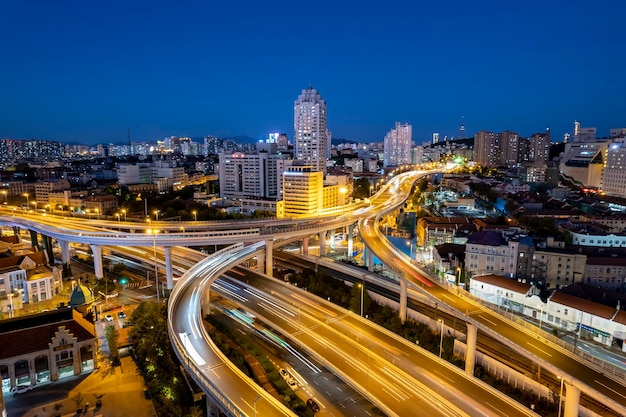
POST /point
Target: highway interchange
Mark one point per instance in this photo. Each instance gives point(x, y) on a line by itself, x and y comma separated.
point(380, 357)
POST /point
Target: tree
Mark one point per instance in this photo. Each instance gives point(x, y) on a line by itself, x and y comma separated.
point(111, 334)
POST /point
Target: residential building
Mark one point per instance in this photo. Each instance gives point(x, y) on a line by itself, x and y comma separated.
point(311, 136)
point(606, 272)
point(539, 148)
point(488, 252)
point(397, 145)
point(487, 151)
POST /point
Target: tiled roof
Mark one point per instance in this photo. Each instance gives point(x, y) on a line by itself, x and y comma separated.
point(502, 282)
point(581, 304)
point(620, 317)
point(486, 238)
point(35, 339)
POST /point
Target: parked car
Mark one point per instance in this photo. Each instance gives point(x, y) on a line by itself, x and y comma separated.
point(121, 315)
point(108, 317)
point(20, 389)
point(313, 405)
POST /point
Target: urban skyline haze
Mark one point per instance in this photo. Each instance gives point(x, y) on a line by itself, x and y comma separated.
point(88, 72)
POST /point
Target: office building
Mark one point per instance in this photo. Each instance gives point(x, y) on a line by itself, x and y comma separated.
point(614, 175)
point(311, 136)
point(302, 191)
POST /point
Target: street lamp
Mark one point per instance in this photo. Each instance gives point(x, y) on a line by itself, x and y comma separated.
point(97, 213)
point(560, 396)
point(124, 212)
point(156, 215)
point(35, 204)
point(458, 280)
point(195, 216)
point(362, 288)
point(371, 189)
point(441, 341)
point(254, 403)
point(71, 211)
point(156, 265)
point(5, 196)
point(410, 243)
point(118, 216)
point(540, 317)
point(27, 201)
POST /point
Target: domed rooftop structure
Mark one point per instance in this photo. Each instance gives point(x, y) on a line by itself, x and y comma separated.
point(81, 296)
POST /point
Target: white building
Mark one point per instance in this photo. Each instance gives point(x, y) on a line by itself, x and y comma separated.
point(311, 136)
point(503, 292)
point(397, 145)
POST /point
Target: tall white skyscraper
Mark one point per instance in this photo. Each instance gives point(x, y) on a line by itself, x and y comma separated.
point(310, 135)
point(397, 145)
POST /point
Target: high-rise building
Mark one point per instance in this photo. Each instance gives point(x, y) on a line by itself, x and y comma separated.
point(584, 134)
point(397, 145)
point(510, 148)
point(539, 148)
point(614, 175)
point(310, 134)
point(487, 149)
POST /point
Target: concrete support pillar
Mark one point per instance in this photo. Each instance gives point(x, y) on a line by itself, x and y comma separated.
point(168, 267)
point(403, 299)
point(470, 353)
point(350, 241)
point(572, 399)
point(47, 245)
point(33, 239)
point(269, 258)
point(16, 232)
point(260, 263)
point(369, 259)
point(322, 244)
point(332, 239)
point(211, 407)
point(97, 260)
point(65, 251)
point(305, 245)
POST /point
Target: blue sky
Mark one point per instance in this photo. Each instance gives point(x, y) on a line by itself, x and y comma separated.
point(88, 71)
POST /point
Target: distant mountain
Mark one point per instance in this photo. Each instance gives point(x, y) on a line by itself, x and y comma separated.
point(341, 141)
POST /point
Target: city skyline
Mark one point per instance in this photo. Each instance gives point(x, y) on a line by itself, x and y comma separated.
point(88, 73)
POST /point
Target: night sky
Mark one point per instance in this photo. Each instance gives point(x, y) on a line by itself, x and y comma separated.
point(87, 71)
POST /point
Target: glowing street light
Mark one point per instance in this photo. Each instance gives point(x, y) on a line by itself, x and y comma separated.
point(560, 396)
point(124, 213)
point(5, 196)
point(195, 216)
point(97, 212)
point(441, 341)
point(156, 265)
point(156, 215)
point(371, 189)
point(362, 286)
point(118, 216)
point(27, 201)
point(35, 204)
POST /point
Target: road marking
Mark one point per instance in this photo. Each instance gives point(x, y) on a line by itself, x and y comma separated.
point(445, 377)
point(609, 388)
point(496, 408)
point(540, 350)
point(487, 320)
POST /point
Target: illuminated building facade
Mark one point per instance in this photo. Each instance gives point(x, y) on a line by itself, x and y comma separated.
point(311, 136)
point(302, 191)
point(397, 145)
